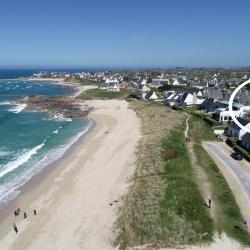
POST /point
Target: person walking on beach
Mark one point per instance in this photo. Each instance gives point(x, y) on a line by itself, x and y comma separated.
point(24, 215)
point(34, 211)
point(15, 228)
point(209, 203)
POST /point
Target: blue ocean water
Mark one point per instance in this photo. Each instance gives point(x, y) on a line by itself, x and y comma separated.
point(16, 73)
point(30, 141)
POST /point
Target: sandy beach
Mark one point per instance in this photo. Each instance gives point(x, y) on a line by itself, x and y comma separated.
point(75, 200)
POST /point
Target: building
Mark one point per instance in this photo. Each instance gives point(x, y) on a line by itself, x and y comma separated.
point(234, 130)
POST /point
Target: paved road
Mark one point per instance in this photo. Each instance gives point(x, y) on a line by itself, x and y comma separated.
point(234, 166)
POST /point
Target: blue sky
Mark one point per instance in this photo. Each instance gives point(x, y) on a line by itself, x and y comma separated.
point(80, 33)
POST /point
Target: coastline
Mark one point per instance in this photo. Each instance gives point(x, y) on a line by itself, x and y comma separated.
point(79, 89)
point(6, 210)
point(79, 188)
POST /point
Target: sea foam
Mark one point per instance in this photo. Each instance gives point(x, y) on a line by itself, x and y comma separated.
point(18, 108)
point(11, 189)
point(20, 160)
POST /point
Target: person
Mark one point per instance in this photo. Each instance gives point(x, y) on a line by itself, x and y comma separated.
point(24, 215)
point(34, 211)
point(209, 203)
point(15, 228)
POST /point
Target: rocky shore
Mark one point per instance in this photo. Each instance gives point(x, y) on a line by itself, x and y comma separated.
point(65, 106)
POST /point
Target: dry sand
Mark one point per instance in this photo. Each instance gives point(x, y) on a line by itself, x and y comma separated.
point(73, 201)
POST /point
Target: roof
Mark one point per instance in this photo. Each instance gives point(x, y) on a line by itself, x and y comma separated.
point(246, 137)
point(242, 121)
point(213, 93)
point(145, 88)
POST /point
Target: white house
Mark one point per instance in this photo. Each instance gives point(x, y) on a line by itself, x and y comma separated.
point(153, 96)
point(223, 114)
point(179, 82)
point(187, 98)
point(113, 87)
point(158, 82)
point(143, 82)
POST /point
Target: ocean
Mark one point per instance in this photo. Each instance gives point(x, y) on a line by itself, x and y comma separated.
point(30, 141)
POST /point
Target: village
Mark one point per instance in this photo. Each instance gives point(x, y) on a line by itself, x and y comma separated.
point(203, 92)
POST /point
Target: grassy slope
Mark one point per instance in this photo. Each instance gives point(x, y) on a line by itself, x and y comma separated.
point(164, 206)
point(228, 214)
point(182, 196)
point(199, 130)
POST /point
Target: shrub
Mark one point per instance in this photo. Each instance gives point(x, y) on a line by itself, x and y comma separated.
point(170, 154)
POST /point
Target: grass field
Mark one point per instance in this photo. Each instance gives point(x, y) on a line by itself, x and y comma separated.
point(104, 94)
point(163, 206)
point(200, 130)
point(227, 213)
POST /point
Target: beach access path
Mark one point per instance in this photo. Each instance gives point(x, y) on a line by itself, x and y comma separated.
point(74, 203)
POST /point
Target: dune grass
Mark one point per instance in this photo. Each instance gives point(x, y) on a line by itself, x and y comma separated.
point(104, 94)
point(199, 130)
point(228, 214)
point(182, 196)
point(163, 207)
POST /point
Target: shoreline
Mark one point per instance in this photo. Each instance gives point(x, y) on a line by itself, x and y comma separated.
point(36, 179)
point(79, 89)
point(76, 182)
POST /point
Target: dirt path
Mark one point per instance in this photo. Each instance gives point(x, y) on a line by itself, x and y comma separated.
point(200, 175)
point(187, 127)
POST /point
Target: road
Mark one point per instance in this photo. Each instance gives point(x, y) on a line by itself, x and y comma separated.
point(236, 173)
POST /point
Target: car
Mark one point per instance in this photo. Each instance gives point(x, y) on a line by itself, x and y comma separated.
point(237, 156)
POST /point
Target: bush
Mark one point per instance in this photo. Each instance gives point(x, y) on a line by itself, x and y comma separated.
point(170, 154)
point(211, 121)
point(231, 141)
point(243, 151)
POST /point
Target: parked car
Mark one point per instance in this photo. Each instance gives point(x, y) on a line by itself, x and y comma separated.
point(237, 156)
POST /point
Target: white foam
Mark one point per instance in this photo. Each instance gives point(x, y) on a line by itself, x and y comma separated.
point(55, 132)
point(20, 160)
point(3, 153)
point(18, 108)
point(5, 103)
point(10, 189)
point(60, 118)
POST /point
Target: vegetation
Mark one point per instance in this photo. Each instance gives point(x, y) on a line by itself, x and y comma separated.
point(228, 217)
point(163, 206)
point(104, 94)
point(211, 121)
point(89, 82)
point(243, 151)
point(220, 127)
point(200, 130)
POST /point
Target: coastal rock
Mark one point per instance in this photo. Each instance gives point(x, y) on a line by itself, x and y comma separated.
point(65, 106)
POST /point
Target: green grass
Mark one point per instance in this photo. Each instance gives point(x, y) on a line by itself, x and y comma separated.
point(199, 130)
point(228, 213)
point(182, 197)
point(89, 82)
point(104, 94)
point(164, 207)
